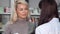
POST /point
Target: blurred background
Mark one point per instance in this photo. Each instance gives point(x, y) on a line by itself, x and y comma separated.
point(7, 6)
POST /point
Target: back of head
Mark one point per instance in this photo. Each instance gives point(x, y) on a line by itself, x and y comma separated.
point(48, 10)
point(46, 1)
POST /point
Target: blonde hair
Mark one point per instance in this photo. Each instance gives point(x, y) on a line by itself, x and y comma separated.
point(14, 14)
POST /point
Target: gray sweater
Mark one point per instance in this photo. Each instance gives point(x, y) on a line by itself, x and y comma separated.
point(19, 27)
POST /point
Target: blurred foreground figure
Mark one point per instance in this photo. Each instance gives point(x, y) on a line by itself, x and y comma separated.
point(49, 19)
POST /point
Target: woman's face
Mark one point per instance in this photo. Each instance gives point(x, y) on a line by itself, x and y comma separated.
point(22, 10)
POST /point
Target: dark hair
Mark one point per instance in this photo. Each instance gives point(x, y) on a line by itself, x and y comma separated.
point(48, 11)
point(48, 1)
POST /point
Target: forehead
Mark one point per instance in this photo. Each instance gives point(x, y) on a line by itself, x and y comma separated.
point(22, 5)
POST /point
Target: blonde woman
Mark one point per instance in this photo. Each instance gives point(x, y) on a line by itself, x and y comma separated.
point(19, 23)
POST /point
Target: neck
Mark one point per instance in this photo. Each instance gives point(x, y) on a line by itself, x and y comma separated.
point(22, 18)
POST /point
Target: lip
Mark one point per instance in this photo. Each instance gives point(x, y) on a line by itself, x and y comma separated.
point(24, 14)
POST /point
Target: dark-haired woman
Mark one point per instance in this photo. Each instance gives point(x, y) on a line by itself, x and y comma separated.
point(49, 20)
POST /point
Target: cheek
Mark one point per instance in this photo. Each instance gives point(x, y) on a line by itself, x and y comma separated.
point(27, 12)
point(19, 13)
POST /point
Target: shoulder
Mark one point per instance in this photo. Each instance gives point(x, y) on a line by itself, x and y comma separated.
point(8, 25)
point(43, 27)
point(54, 20)
point(50, 23)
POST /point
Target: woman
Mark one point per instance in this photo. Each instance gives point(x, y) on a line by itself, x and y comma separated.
point(19, 24)
point(49, 20)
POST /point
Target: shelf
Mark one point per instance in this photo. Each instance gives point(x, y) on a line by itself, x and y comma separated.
point(1, 30)
point(5, 13)
point(35, 14)
point(58, 10)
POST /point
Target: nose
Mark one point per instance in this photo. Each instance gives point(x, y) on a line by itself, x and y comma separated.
point(24, 11)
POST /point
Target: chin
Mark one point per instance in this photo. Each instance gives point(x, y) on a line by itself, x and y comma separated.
point(24, 17)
